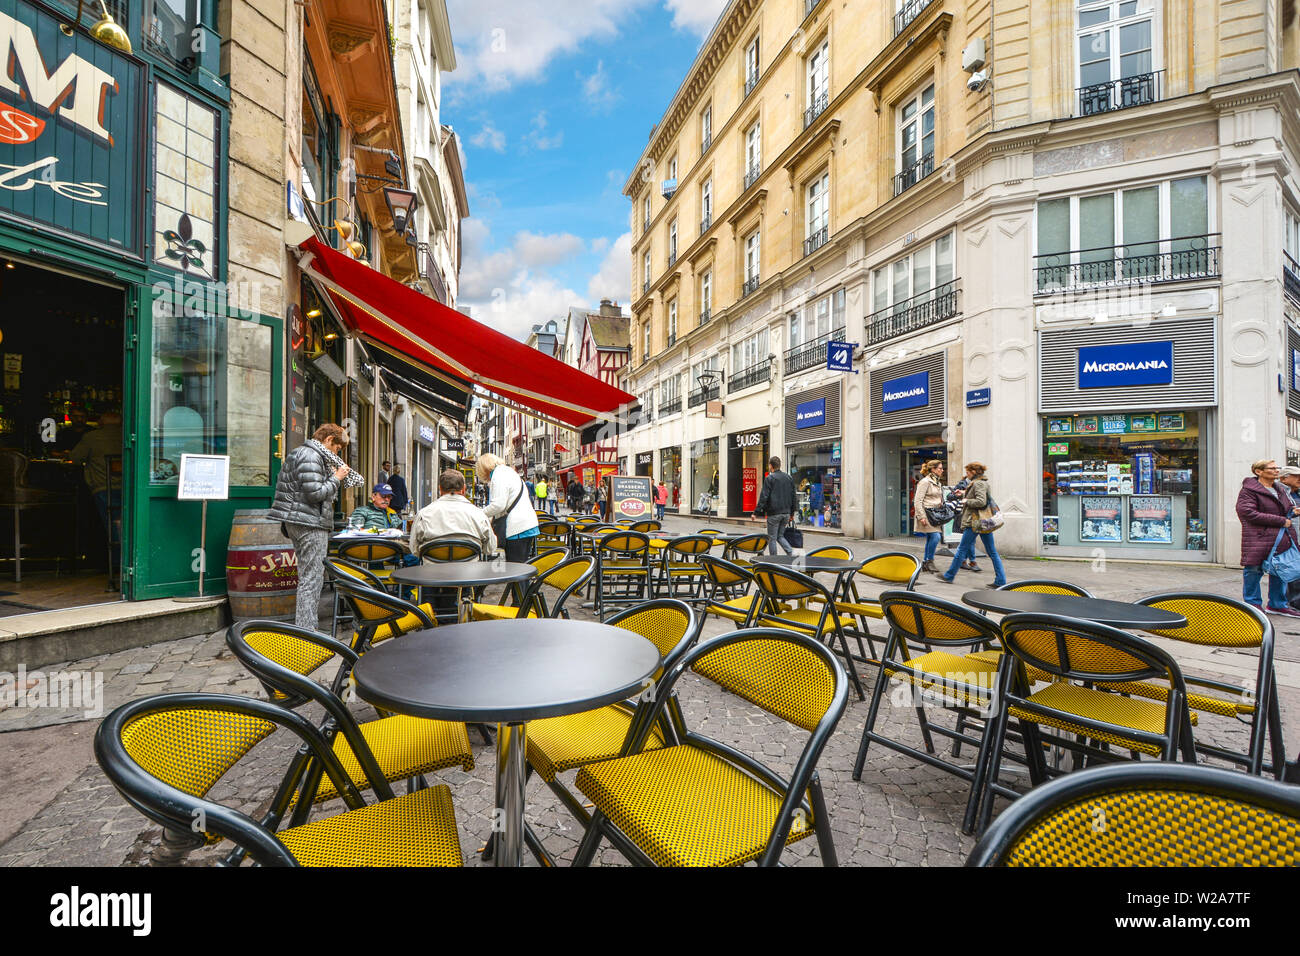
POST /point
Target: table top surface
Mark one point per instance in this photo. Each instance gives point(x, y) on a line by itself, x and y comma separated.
point(1097, 610)
point(506, 671)
point(807, 563)
point(453, 574)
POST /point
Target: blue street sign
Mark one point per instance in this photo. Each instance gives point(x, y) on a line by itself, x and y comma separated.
point(910, 391)
point(839, 356)
point(979, 397)
point(1135, 363)
point(810, 414)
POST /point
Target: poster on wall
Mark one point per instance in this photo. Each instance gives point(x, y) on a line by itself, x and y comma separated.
point(1141, 423)
point(1060, 426)
point(749, 489)
point(1113, 424)
point(1172, 422)
point(1085, 425)
point(1151, 520)
point(1100, 519)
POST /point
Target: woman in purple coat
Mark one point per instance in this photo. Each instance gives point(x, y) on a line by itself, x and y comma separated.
point(1264, 508)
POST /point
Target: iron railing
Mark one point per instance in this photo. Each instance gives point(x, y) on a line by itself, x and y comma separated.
point(1139, 263)
point(816, 240)
point(705, 316)
point(701, 395)
point(751, 81)
point(705, 144)
point(428, 269)
point(762, 372)
point(645, 286)
point(752, 174)
point(672, 339)
point(705, 223)
point(751, 285)
point(913, 174)
point(909, 12)
point(670, 408)
point(1119, 94)
point(811, 354)
point(646, 224)
point(672, 259)
point(927, 308)
point(816, 109)
point(1290, 276)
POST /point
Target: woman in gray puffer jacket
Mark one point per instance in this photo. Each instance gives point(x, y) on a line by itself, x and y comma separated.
point(309, 482)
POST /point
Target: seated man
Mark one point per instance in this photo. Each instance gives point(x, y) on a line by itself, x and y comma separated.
point(93, 451)
point(452, 514)
point(379, 514)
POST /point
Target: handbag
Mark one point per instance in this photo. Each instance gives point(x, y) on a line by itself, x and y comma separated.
point(1285, 565)
point(793, 536)
point(938, 517)
point(499, 524)
point(989, 518)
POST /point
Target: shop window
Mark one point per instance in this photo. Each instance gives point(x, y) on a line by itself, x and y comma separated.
point(815, 470)
point(704, 476)
point(211, 394)
point(1125, 480)
point(670, 473)
point(171, 29)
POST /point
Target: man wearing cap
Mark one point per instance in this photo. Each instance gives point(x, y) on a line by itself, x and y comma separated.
point(379, 514)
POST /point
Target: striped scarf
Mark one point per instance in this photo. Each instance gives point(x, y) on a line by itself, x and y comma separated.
point(352, 478)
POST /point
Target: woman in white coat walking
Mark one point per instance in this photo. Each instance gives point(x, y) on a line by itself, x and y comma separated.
point(929, 494)
point(508, 508)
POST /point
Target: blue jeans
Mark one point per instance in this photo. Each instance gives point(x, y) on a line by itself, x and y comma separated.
point(932, 542)
point(966, 552)
point(1251, 579)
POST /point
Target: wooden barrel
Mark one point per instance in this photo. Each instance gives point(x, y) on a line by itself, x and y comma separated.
point(261, 569)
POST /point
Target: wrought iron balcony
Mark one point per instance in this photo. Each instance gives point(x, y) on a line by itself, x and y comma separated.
point(762, 372)
point(1141, 263)
point(645, 287)
point(669, 188)
point(1291, 276)
point(1119, 94)
point(816, 240)
point(909, 12)
point(701, 395)
point(670, 408)
point(705, 144)
point(672, 339)
point(646, 225)
point(705, 316)
point(811, 354)
point(751, 285)
point(927, 308)
point(751, 81)
point(705, 223)
point(428, 270)
point(816, 109)
point(672, 258)
point(913, 174)
point(752, 174)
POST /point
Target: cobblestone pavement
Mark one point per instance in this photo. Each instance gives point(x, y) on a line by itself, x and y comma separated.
point(61, 811)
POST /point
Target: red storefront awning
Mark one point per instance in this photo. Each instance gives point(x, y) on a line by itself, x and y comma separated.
point(428, 333)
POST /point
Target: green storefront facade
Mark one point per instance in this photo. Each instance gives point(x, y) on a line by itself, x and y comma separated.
point(113, 173)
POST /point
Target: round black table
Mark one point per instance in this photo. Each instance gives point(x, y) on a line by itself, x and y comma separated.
point(1113, 613)
point(812, 564)
point(462, 575)
point(509, 672)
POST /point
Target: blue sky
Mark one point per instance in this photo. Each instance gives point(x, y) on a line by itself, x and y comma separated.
point(554, 102)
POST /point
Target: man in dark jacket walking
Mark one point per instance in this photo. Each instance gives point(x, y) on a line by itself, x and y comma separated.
point(1264, 508)
point(776, 500)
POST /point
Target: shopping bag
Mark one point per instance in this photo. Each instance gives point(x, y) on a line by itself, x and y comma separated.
point(1285, 565)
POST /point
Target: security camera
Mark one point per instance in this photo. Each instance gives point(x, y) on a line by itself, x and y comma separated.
point(977, 81)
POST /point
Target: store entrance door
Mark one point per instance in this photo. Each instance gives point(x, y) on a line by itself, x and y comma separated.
point(915, 458)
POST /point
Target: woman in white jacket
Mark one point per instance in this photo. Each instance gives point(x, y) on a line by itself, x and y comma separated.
point(508, 508)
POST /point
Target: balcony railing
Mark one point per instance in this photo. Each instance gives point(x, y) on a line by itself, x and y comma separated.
point(1291, 276)
point(645, 286)
point(1167, 260)
point(909, 12)
point(762, 372)
point(705, 144)
point(428, 269)
point(751, 81)
point(913, 174)
point(1119, 94)
point(705, 316)
point(927, 308)
point(816, 109)
point(816, 240)
point(672, 258)
point(669, 188)
point(670, 408)
point(705, 223)
point(672, 339)
point(646, 225)
point(701, 395)
point(810, 354)
point(751, 285)
point(752, 174)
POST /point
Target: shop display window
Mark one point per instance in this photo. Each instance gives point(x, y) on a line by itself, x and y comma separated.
point(816, 470)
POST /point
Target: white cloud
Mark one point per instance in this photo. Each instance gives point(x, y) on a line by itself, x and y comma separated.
point(501, 42)
point(537, 137)
point(695, 16)
point(599, 244)
point(489, 137)
point(613, 279)
point(596, 89)
point(489, 275)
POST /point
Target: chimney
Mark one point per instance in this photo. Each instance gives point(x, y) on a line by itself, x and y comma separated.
point(609, 307)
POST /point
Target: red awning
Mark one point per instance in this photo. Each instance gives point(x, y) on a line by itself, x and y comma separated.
point(426, 332)
point(590, 465)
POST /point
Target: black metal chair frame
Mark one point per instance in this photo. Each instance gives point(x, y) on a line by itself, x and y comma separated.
point(534, 599)
point(729, 591)
point(862, 629)
point(754, 544)
point(336, 569)
point(688, 562)
point(626, 584)
point(1056, 796)
point(803, 780)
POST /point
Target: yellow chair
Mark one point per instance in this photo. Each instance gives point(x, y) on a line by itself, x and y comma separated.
point(371, 551)
point(564, 578)
point(379, 616)
point(889, 567)
point(681, 564)
point(724, 582)
point(703, 803)
point(623, 574)
point(164, 753)
point(1148, 814)
point(451, 548)
point(744, 549)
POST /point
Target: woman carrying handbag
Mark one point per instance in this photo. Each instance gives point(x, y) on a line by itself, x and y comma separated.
point(979, 516)
point(930, 509)
point(1268, 542)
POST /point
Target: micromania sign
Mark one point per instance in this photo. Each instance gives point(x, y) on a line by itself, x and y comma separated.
point(910, 391)
point(1136, 363)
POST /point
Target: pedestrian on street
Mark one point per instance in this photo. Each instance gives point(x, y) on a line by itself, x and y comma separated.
point(601, 502)
point(575, 495)
point(514, 522)
point(385, 472)
point(1264, 509)
point(661, 500)
point(977, 506)
point(543, 491)
point(400, 495)
point(777, 502)
point(310, 480)
point(929, 494)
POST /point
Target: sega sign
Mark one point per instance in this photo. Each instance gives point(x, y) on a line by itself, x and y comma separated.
point(910, 391)
point(810, 414)
point(1136, 363)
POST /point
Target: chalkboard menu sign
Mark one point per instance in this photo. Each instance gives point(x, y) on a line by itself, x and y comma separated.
point(630, 496)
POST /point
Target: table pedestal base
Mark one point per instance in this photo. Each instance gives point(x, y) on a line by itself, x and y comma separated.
point(508, 817)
